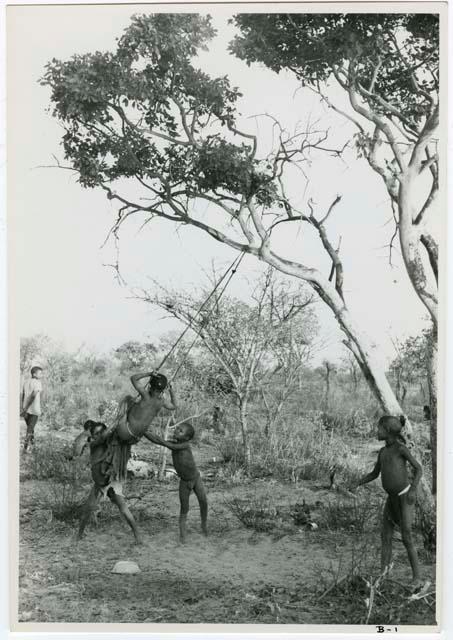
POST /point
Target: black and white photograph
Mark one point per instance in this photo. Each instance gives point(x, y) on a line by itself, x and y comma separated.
point(226, 229)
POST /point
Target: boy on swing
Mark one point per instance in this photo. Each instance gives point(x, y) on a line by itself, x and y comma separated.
point(189, 476)
point(110, 448)
point(399, 507)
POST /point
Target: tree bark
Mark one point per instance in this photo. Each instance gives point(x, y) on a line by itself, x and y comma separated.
point(243, 403)
point(163, 460)
point(410, 242)
point(432, 386)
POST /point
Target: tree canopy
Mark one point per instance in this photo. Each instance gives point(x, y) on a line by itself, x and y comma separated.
point(390, 59)
point(140, 112)
point(388, 67)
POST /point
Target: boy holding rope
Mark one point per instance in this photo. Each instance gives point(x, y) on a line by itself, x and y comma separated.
point(110, 449)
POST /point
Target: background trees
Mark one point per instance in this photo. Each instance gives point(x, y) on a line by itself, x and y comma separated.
point(251, 342)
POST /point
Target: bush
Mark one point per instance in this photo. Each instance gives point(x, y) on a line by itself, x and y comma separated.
point(425, 522)
point(352, 421)
point(67, 488)
point(304, 450)
point(351, 515)
point(231, 451)
point(257, 513)
point(357, 592)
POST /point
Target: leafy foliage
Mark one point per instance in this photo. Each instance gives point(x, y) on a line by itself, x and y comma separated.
point(140, 112)
point(316, 46)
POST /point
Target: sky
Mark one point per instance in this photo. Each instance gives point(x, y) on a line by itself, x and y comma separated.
point(60, 285)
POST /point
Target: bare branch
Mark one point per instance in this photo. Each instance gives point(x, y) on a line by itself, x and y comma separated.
point(334, 203)
point(244, 135)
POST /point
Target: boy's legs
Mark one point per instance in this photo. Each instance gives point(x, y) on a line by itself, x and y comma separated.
point(124, 511)
point(407, 515)
point(200, 492)
point(388, 525)
point(30, 421)
point(90, 507)
point(184, 494)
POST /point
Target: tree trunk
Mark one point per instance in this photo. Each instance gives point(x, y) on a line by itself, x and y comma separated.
point(243, 402)
point(410, 241)
point(358, 341)
point(432, 386)
point(163, 459)
point(327, 392)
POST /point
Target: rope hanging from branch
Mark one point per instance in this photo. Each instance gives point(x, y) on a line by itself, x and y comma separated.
point(230, 273)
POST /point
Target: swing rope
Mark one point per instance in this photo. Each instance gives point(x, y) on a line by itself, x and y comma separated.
point(197, 335)
point(231, 271)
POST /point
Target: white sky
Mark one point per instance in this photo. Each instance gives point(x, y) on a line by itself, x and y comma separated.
point(61, 287)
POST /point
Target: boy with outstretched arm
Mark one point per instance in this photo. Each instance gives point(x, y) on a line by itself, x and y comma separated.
point(399, 506)
point(189, 476)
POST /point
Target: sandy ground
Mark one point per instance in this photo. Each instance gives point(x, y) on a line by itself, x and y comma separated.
point(234, 575)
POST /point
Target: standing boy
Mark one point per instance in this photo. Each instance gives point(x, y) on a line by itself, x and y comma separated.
point(189, 476)
point(31, 404)
point(399, 507)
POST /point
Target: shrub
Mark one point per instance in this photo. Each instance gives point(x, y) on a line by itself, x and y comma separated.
point(304, 450)
point(358, 593)
point(351, 515)
point(425, 522)
point(257, 513)
point(352, 421)
point(231, 451)
point(68, 479)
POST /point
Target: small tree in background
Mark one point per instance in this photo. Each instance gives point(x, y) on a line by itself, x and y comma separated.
point(245, 339)
point(136, 355)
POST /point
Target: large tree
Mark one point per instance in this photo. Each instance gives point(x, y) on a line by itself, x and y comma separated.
point(385, 69)
point(161, 137)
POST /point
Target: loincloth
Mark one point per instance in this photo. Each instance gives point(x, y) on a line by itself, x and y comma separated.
point(116, 485)
point(394, 506)
point(113, 465)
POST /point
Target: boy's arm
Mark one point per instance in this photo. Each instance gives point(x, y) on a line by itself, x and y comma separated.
point(173, 404)
point(102, 437)
point(36, 389)
point(369, 477)
point(407, 455)
point(138, 387)
point(174, 446)
point(30, 401)
point(80, 443)
point(22, 400)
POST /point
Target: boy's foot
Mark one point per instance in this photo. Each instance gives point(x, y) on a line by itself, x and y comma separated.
point(418, 585)
point(139, 542)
